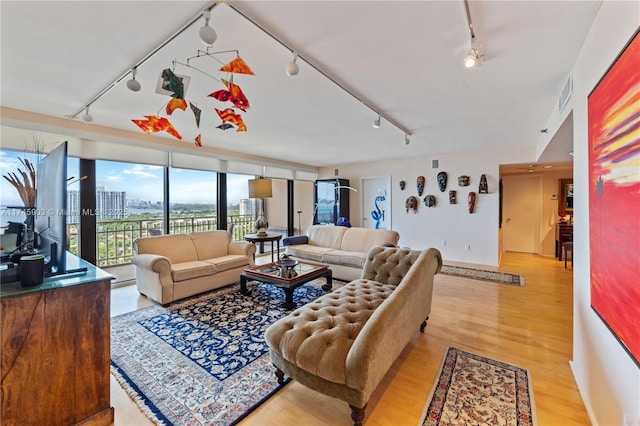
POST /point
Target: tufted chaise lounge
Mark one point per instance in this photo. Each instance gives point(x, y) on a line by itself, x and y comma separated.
point(343, 343)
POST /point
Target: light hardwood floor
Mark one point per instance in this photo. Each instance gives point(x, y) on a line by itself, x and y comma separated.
point(528, 326)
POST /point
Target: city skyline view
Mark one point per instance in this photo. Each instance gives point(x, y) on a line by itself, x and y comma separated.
point(139, 181)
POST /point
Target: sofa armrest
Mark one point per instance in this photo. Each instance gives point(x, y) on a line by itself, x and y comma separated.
point(153, 262)
point(295, 240)
point(242, 248)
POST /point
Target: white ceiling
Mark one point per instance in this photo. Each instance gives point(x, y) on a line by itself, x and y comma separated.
point(403, 59)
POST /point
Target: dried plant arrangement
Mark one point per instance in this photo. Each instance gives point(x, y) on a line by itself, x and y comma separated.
point(24, 182)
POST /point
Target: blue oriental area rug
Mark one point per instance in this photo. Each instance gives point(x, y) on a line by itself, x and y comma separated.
point(203, 360)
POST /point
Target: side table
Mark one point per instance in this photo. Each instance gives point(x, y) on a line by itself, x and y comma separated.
point(255, 238)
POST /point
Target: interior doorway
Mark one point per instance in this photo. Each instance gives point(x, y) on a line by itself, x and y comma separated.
point(375, 202)
point(521, 213)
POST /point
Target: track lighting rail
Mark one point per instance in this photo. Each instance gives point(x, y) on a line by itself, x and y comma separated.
point(148, 56)
point(327, 76)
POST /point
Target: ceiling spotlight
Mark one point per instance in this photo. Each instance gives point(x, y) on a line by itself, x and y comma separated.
point(87, 118)
point(376, 123)
point(207, 34)
point(407, 141)
point(472, 59)
point(292, 68)
point(133, 84)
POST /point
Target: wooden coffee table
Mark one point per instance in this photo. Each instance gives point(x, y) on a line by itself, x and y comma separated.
point(269, 274)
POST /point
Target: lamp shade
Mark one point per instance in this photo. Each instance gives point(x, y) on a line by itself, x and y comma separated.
point(260, 188)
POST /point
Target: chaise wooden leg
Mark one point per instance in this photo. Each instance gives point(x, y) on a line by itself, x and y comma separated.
point(423, 325)
point(357, 415)
point(279, 375)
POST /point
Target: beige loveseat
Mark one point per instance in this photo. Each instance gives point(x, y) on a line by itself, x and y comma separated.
point(344, 249)
point(343, 343)
point(172, 267)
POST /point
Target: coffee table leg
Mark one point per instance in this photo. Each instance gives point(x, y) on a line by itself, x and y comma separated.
point(288, 298)
point(329, 285)
point(243, 285)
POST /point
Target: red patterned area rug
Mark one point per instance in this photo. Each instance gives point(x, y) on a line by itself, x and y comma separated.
point(475, 390)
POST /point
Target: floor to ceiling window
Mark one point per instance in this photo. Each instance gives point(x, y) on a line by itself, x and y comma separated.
point(241, 210)
point(129, 204)
point(192, 201)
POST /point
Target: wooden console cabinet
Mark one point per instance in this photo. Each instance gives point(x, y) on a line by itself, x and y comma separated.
point(56, 350)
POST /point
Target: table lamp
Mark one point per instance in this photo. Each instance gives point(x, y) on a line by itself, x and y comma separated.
point(260, 188)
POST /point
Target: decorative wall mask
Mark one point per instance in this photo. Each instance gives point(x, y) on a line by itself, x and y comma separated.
point(463, 180)
point(420, 184)
point(411, 204)
point(472, 202)
point(442, 181)
point(430, 201)
point(402, 185)
point(484, 188)
point(452, 197)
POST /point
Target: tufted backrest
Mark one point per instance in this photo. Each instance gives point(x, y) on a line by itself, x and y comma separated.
point(388, 265)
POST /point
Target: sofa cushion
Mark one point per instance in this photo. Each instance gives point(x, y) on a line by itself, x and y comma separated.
point(362, 239)
point(307, 251)
point(296, 239)
point(232, 261)
point(211, 244)
point(193, 269)
point(177, 248)
point(317, 336)
point(354, 259)
point(326, 236)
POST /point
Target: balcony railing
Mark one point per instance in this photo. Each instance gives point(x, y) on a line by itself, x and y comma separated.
point(115, 238)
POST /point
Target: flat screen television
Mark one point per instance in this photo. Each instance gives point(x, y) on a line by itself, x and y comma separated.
point(51, 210)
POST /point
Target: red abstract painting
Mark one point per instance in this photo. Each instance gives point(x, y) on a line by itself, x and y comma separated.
point(614, 198)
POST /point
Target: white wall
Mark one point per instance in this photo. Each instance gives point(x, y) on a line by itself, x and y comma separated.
point(607, 377)
point(452, 223)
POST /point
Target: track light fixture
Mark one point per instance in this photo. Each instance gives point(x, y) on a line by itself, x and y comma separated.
point(87, 118)
point(407, 141)
point(472, 59)
point(376, 122)
point(292, 68)
point(207, 34)
point(133, 84)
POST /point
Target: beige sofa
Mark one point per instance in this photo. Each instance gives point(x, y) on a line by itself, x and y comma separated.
point(344, 249)
point(172, 267)
point(343, 343)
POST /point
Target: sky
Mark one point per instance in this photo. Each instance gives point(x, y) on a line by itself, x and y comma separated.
point(139, 181)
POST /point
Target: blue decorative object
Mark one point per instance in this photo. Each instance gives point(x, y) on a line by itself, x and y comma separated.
point(343, 221)
point(378, 214)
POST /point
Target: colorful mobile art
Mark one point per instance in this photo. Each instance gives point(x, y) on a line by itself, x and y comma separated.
point(154, 124)
point(229, 116)
point(233, 95)
point(614, 198)
point(172, 83)
point(175, 103)
point(196, 113)
point(175, 86)
point(237, 66)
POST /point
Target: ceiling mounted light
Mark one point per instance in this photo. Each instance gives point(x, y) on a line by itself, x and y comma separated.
point(87, 118)
point(376, 123)
point(407, 141)
point(133, 84)
point(472, 59)
point(207, 34)
point(292, 68)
